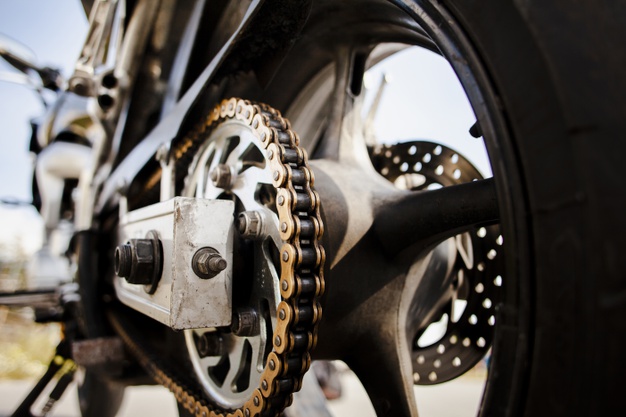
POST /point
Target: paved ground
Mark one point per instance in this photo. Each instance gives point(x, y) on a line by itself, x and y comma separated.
point(459, 398)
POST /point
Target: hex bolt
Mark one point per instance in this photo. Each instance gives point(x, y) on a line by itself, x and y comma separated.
point(245, 322)
point(221, 176)
point(139, 261)
point(250, 225)
point(207, 263)
point(209, 344)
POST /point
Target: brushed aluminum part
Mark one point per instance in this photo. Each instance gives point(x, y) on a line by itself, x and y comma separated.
point(182, 300)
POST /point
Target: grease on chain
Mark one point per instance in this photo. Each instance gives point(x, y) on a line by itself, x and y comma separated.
point(302, 263)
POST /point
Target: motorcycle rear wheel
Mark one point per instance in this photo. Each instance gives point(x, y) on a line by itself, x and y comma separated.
point(544, 80)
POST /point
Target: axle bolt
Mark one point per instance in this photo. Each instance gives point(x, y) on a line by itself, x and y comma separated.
point(245, 322)
point(250, 224)
point(221, 176)
point(207, 263)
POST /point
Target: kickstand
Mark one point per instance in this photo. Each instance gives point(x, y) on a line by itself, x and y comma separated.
point(61, 365)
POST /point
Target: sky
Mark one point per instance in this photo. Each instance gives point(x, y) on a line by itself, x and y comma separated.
point(54, 31)
point(424, 100)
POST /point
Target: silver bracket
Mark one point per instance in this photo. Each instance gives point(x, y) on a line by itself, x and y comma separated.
point(183, 300)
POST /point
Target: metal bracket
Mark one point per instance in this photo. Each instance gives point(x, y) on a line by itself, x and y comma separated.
point(182, 299)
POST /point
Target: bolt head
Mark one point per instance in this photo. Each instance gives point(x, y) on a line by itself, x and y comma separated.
point(250, 225)
point(221, 176)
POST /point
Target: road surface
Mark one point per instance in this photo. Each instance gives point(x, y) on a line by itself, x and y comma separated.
point(458, 398)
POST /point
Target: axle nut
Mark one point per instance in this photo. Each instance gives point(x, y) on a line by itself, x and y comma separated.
point(139, 261)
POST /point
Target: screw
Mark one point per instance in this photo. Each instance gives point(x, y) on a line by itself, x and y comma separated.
point(221, 176)
point(250, 224)
point(207, 263)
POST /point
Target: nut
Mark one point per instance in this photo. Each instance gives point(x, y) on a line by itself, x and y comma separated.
point(250, 225)
point(207, 263)
point(221, 176)
point(139, 261)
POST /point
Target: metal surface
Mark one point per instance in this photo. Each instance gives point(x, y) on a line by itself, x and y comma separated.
point(177, 76)
point(94, 53)
point(181, 300)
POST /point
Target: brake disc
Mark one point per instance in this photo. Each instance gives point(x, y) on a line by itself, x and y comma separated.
point(470, 316)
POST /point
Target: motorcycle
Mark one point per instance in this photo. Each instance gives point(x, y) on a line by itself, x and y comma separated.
point(217, 247)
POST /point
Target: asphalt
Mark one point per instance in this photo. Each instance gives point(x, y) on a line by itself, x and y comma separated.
point(459, 398)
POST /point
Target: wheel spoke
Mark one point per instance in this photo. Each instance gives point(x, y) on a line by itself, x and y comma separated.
point(383, 361)
point(385, 369)
point(210, 361)
point(237, 363)
point(253, 176)
point(422, 219)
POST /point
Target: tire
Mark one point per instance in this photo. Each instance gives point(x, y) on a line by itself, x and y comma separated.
point(560, 101)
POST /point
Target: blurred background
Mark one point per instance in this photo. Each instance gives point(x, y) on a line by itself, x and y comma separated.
point(54, 32)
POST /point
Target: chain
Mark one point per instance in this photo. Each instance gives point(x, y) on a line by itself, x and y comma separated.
point(302, 263)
